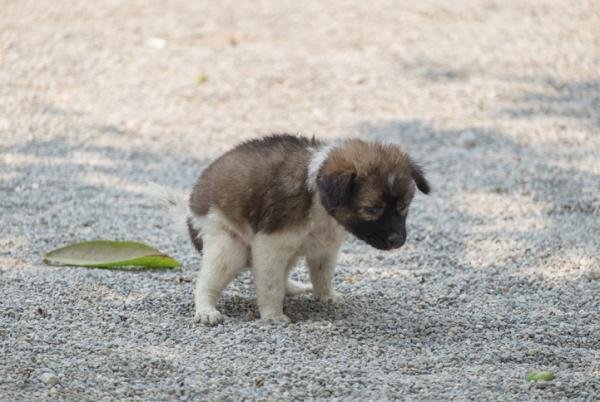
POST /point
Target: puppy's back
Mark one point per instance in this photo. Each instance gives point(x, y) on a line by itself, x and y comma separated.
point(260, 183)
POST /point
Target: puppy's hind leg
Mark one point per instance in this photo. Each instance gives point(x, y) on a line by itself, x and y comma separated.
point(270, 260)
point(223, 259)
point(292, 287)
point(322, 269)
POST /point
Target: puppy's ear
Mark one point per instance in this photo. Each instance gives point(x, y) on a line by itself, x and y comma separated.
point(419, 177)
point(336, 189)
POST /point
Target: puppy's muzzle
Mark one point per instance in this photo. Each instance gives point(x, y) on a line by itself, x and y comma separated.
point(395, 240)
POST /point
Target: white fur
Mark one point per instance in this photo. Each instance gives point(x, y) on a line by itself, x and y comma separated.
point(317, 160)
point(273, 257)
point(176, 203)
point(391, 181)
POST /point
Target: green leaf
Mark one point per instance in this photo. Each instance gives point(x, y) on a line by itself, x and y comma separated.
point(201, 79)
point(110, 254)
point(540, 376)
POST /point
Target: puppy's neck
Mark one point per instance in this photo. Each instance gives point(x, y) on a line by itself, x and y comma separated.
point(317, 160)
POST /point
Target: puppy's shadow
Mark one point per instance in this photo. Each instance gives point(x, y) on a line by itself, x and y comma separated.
point(306, 308)
point(297, 308)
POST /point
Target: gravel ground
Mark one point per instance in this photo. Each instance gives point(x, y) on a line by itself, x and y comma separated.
point(500, 100)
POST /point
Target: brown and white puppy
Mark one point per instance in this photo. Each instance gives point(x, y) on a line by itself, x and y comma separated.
point(268, 202)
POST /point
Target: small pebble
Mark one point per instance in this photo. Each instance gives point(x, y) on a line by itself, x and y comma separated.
point(49, 379)
point(594, 274)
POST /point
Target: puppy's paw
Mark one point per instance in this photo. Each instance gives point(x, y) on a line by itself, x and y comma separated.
point(331, 297)
point(293, 288)
point(275, 319)
point(208, 317)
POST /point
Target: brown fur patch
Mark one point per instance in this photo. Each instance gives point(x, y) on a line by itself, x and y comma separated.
point(260, 183)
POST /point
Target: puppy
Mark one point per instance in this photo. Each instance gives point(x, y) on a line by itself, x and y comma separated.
point(270, 201)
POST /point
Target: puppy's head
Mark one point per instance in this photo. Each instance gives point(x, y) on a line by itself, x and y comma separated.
point(368, 187)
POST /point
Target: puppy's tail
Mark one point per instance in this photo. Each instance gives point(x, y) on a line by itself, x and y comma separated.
point(176, 204)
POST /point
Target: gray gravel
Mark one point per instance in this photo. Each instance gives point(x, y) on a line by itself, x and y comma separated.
point(499, 100)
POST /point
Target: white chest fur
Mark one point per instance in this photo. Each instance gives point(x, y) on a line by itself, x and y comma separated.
point(323, 234)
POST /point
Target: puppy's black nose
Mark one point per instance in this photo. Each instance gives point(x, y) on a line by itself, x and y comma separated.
point(395, 240)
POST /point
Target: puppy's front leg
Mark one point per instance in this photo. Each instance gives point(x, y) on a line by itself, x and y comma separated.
point(322, 269)
point(269, 262)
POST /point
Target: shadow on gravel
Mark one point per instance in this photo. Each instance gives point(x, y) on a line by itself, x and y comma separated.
point(433, 71)
point(578, 100)
point(298, 308)
point(63, 190)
